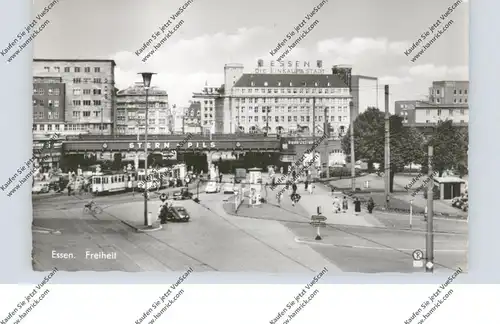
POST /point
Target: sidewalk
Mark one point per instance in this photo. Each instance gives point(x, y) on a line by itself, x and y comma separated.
point(322, 197)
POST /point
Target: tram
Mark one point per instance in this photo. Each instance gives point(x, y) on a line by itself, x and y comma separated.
point(111, 182)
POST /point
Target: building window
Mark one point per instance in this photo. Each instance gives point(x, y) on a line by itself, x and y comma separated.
point(339, 118)
point(437, 91)
point(451, 112)
point(49, 91)
point(462, 111)
point(455, 100)
point(66, 69)
point(46, 68)
point(56, 116)
point(77, 69)
point(460, 100)
point(86, 114)
point(49, 115)
point(465, 100)
point(439, 112)
point(76, 114)
point(49, 127)
point(427, 112)
point(97, 69)
point(87, 69)
point(465, 91)
point(97, 80)
point(77, 80)
point(462, 121)
point(455, 91)
point(86, 91)
point(97, 102)
point(438, 100)
point(87, 102)
point(41, 91)
point(460, 92)
point(57, 92)
point(97, 91)
point(77, 91)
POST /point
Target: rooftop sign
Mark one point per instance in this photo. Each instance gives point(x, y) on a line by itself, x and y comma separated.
point(290, 67)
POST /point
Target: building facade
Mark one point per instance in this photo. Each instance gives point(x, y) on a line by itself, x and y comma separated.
point(294, 103)
point(48, 118)
point(89, 104)
point(449, 92)
point(406, 110)
point(366, 93)
point(211, 109)
point(448, 100)
point(131, 111)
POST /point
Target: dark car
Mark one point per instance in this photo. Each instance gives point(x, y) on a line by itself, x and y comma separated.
point(177, 214)
point(184, 194)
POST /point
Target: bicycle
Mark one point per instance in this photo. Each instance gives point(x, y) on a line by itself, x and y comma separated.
point(92, 209)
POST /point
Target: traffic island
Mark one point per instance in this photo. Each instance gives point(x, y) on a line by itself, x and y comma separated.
point(146, 229)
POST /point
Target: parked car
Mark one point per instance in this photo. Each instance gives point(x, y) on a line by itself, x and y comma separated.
point(212, 187)
point(40, 187)
point(228, 188)
point(183, 194)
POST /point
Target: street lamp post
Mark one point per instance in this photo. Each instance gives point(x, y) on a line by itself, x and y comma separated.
point(146, 78)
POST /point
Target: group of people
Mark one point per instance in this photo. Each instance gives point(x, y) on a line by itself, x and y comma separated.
point(344, 205)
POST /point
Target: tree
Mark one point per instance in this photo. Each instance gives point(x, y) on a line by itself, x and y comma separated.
point(369, 141)
point(450, 144)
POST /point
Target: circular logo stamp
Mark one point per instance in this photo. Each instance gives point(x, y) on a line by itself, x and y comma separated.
point(417, 255)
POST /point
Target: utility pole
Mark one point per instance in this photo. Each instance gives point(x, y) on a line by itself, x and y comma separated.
point(326, 131)
point(353, 156)
point(267, 120)
point(387, 152)
point(429, 238)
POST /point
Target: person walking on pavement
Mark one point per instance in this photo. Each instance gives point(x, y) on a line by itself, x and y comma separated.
point(220, 178)
point(357, 206)
point(294, 188)
point(306, 184)
point(370, 205)
point(310, 187)
point(336, 204)
point(345, 205)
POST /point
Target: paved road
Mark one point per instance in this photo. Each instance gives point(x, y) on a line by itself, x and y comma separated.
point(261, 239)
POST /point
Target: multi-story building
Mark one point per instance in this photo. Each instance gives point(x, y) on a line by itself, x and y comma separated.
point(366, 93)
point(48, 117)
point(191, 121)
point(406, 110)
point(89, 101)
point(449, 92)
point(211, 109)
point(294, 103)
point(131, 110)
point(448, 100)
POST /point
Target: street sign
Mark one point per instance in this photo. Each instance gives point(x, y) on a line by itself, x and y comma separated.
point(318, 224)
point(318, 218)
point(417, 255)
point(418, 263)
point(429, 265)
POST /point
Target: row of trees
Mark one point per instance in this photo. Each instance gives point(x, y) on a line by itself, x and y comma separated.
point(407, 144)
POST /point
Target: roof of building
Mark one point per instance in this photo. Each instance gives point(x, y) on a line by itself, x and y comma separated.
point(75, 60)
point(290, 80)
point(137, 89)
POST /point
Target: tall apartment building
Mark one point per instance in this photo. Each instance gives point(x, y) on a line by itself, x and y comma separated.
point(406, 110)
point(211, 109)
point(89, 87)
point(366, 93)
point(48, 117)
point(131, 110)
point(289, 103)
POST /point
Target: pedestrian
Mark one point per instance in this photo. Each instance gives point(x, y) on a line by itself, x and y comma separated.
point(69, 189)
point(294, 188)
point(333, 190)
point(345, 205)
point(336, 204)
point(370, 205)
point(357, 206)
point(311, 189)
point(306, 184)
point(220, 178)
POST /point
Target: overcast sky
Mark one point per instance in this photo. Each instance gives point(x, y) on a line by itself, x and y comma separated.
point(371, 35)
